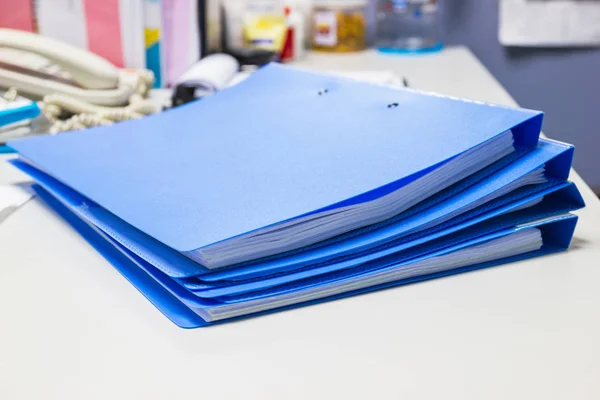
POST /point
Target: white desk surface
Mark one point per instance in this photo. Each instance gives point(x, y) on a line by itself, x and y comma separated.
point(72, 328)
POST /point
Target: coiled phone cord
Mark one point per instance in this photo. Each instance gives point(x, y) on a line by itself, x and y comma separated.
point(87, 114)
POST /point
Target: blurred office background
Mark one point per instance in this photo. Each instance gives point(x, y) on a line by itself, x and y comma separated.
point(561, 81)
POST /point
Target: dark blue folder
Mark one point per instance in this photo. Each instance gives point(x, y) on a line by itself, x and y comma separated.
point(499, 217)
point(178, 304)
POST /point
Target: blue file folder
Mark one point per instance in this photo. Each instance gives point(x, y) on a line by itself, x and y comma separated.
point(561, 197)
point(171, 298)
point(287, 146)
point(357, 249)
point(557, 158)
point(284, 144)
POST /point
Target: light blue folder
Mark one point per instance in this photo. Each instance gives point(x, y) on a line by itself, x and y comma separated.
point(283, 144)
point(371, 243)
point(555, 156)
point(559, 197)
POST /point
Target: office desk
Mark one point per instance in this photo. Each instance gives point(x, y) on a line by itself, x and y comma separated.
point(72, 328)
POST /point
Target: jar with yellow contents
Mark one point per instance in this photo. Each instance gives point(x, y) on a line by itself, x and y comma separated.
point(339, 25)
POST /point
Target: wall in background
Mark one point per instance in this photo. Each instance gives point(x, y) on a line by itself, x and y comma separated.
point(564, 83)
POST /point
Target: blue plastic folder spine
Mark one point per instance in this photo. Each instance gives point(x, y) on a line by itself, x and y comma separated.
point(557, 234)
point(569, 195)
point(522, 132)
point(560, 166)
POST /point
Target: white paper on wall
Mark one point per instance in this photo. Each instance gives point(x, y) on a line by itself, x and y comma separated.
point(549, 23)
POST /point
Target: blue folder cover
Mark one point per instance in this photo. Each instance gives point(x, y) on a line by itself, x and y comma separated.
point(555, 156)
point(171, 298)
point(558, 199)
point(270, 149)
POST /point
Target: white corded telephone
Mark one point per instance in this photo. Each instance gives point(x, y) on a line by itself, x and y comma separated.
point(73, 80)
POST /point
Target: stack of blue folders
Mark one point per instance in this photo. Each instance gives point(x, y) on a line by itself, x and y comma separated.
point(294, 188)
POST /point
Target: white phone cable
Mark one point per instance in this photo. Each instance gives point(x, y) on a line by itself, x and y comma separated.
point(87, 114)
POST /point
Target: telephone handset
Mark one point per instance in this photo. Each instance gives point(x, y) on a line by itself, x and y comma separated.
point(70, 79)
point(96, 80)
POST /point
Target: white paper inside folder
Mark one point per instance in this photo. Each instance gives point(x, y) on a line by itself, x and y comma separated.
point(535, 177)
point(520, 242)
point(313, 228)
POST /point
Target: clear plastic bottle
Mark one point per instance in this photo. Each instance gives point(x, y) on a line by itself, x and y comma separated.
point(408, 26)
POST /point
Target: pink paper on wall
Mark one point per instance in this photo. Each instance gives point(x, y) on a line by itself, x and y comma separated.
point(16, 14)
point(177, 15)
point(169, 24)
point(104, 29)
